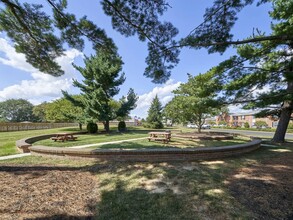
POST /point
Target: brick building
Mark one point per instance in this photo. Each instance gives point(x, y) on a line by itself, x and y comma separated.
point(238, 120)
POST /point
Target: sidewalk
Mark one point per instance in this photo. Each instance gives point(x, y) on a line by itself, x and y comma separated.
point(14, 156)
point(111, 142)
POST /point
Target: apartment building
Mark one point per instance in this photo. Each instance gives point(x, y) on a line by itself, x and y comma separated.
point(239, 120)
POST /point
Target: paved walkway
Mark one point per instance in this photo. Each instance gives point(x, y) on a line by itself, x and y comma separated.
point(111, 142)
point(14, 156)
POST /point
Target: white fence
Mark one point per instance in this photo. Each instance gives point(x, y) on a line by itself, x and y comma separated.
point(32, 126)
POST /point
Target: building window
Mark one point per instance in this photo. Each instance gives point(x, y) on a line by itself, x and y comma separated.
point(243, 117)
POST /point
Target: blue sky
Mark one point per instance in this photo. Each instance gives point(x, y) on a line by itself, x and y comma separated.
point(20, 80)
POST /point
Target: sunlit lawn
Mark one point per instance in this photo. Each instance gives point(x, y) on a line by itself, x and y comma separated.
point(8, 139)
point(174, 143)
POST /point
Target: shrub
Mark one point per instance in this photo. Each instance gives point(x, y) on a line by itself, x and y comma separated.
point(92, 128)
point(154, 125)
point(121, 126)
point(246, 125)
point(261, 124)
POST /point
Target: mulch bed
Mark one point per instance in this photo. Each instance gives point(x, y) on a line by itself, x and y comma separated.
point(55, 192)
point(46, 192)
point(266, 189)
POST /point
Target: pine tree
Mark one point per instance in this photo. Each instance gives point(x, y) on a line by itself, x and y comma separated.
point(154, 118)
point(101, 83)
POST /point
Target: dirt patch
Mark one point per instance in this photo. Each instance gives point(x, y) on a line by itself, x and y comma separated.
point(266, 189)
point(46, 192)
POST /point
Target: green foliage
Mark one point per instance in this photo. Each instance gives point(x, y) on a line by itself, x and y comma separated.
point(246, 125)
point(62, 110)
point(40, 111)
point(195, 100)
point(17, 110)
point(126, 105)
point(121, 126)
point(92, 127)
point(101, 83)
point(260, 124)
point(290, 125)
point(36, 32)
point(154, 118)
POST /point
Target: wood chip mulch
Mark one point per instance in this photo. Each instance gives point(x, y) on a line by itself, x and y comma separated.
point(46, 192)
point(266, 189)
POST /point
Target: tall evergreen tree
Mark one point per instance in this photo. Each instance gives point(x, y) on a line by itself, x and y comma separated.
point(101, 83)
point(154, 118)
point(260, 76)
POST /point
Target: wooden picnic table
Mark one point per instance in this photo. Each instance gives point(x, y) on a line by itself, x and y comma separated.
point(64, 137)
point(160, 136)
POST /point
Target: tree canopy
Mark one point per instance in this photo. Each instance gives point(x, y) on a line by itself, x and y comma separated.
point(17, 110)
point(102, 78)
point(36, 32)
point(154, 118)
point(42, 37)
point(195, 100)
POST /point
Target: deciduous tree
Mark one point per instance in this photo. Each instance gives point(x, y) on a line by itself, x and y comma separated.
point(195, 100)
point(17, 110)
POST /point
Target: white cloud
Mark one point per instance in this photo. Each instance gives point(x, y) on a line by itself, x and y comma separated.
point(164, 93)
point(12, 58)
point(41, 85)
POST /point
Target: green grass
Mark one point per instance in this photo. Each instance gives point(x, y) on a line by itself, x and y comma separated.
point(174, 143)
point(94, 139)
point(8, 139)
point(181, 190)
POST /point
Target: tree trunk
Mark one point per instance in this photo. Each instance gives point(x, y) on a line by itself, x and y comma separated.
point(285, 117)
point(280, 133)
point(107, 126)
point(80, 126)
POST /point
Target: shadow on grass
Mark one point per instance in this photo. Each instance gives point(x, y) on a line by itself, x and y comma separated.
point(185, 190)
point(122, 203)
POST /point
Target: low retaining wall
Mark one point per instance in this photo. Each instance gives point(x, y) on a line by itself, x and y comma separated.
point(150, 155)
point(23, 145)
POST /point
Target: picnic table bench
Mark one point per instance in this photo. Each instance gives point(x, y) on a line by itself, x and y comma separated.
point(64, 137)
point(160, 136)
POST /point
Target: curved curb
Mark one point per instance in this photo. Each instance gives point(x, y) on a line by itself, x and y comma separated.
point(156, 155)
point(24, 144)
point(150, 155)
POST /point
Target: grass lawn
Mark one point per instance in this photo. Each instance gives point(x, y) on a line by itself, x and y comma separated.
point(95, 138)
point(257, 185)
point(8, 139)
point(174, 143)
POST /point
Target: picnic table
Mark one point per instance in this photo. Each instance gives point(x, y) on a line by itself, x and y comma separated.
point(160, 136)
point(64, 137)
